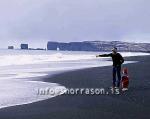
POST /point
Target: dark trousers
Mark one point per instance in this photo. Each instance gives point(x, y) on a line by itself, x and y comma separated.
point(116, 70)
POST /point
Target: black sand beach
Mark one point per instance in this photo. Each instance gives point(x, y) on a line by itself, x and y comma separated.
point(133, 104)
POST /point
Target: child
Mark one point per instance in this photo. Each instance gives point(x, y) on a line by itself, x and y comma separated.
point(125, 80)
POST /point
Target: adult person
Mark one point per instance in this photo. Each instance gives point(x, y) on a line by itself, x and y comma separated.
point(117, 62)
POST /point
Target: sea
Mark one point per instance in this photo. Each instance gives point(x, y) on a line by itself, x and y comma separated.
point(21, 72)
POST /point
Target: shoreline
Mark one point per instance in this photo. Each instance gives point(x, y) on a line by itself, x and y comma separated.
point(133, 104)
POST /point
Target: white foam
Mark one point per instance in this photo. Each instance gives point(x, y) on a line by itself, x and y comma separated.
point(7, 60)
point(23, 59)
point(128, 54)
point(25, 92)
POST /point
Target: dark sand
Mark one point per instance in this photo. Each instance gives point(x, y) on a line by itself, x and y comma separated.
point(133, 104)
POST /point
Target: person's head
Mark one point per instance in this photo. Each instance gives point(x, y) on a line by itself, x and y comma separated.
point(125, 71)
point(114, 50)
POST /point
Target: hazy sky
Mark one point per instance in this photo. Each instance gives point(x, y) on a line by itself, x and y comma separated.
point(38, 21)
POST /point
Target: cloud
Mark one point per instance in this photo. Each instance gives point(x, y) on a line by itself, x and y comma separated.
point(37, 21)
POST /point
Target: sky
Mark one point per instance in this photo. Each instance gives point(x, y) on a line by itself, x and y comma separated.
point(38, 21)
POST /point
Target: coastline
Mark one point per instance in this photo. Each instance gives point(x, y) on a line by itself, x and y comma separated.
point(132, 104)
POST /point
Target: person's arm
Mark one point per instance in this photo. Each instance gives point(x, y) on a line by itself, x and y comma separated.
point(104, 55)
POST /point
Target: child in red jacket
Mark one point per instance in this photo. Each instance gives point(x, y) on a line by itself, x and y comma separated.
point(125, 80)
